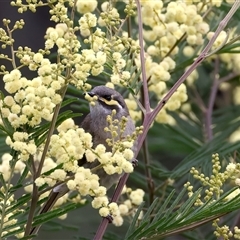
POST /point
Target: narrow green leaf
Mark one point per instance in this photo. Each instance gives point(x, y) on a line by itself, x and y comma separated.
point(53, 169)
point(23, 175)
point(134, 220)
point(2, 195)
point(175, 203)
point(42, 218)
point(150, 209)
point(69, 101)
point(2, 181)
point(15, 188)
point(164, 206)
point(7, 126)
point(185, 209)
point(17, 230)
point(137, 232)
point(20, 202)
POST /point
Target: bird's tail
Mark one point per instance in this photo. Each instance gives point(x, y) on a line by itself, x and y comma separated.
point(56, 193)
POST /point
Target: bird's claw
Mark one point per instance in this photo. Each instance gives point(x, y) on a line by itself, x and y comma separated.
point(109, 217)
point(134, 162)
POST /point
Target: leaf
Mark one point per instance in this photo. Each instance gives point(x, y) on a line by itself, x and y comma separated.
point(69, 101)
point(42, 218)
point(134, 220)
point(23, 176)
point(8, 129)
point(20, 202)
point(2, 181)
point(187, 217)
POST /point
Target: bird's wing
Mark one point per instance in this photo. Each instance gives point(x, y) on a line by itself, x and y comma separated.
point(86, 124)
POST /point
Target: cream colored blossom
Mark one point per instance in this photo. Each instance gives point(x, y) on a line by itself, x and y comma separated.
point(86, 6)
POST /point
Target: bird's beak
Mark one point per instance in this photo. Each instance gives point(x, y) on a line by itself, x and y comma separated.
point(90, 96)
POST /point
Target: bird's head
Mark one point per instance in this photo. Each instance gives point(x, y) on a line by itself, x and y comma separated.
point(107, 99)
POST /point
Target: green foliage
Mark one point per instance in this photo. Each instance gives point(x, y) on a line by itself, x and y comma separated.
point(162, 221)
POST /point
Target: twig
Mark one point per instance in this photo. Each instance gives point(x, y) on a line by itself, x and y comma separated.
point(209, 110)
point(38, 172)
point(142, 60)
point(151, 187)
point(13, 60)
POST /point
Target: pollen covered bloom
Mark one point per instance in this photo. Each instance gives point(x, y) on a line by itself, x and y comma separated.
point(69, 145)
point(86, 6)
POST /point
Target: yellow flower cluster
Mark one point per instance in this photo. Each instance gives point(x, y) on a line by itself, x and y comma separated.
point(5, 168)
point(129, 207)
point(32, 101)
point(236, 232)
point(86, 183)
point(8, 219)
point(134, 112)
point(170, 24)
point(126, 209)
point(111, 47)
point(5, 39)
point(223, 231)
point(86, 6)
point(69, 145)
point(231, 61)
point(214, 183)
point(174, 103)
point(86, 23)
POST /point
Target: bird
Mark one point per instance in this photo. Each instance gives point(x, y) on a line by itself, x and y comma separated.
point(106, 100)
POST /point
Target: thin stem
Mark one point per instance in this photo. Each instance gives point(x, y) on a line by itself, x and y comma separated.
point(150, 182)
point(51, 130)
point(198, 100)
point(33, 206)
point(209, 110)
point(175, 44)
point(38, 172)
point(13, 60)
point(228, 77)
point(144, 75)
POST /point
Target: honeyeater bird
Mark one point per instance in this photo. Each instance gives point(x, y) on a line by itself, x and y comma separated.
point(107, 99)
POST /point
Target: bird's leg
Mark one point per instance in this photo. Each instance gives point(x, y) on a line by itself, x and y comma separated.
point(109, 217)
point(134, 162)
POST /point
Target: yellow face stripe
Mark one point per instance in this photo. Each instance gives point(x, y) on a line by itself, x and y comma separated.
point(111, 102)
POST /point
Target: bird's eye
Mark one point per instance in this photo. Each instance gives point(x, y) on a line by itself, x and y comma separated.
point(107, 97)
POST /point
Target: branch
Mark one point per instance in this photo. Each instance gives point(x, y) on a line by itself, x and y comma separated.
point(209, 110)
point(142, 60)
